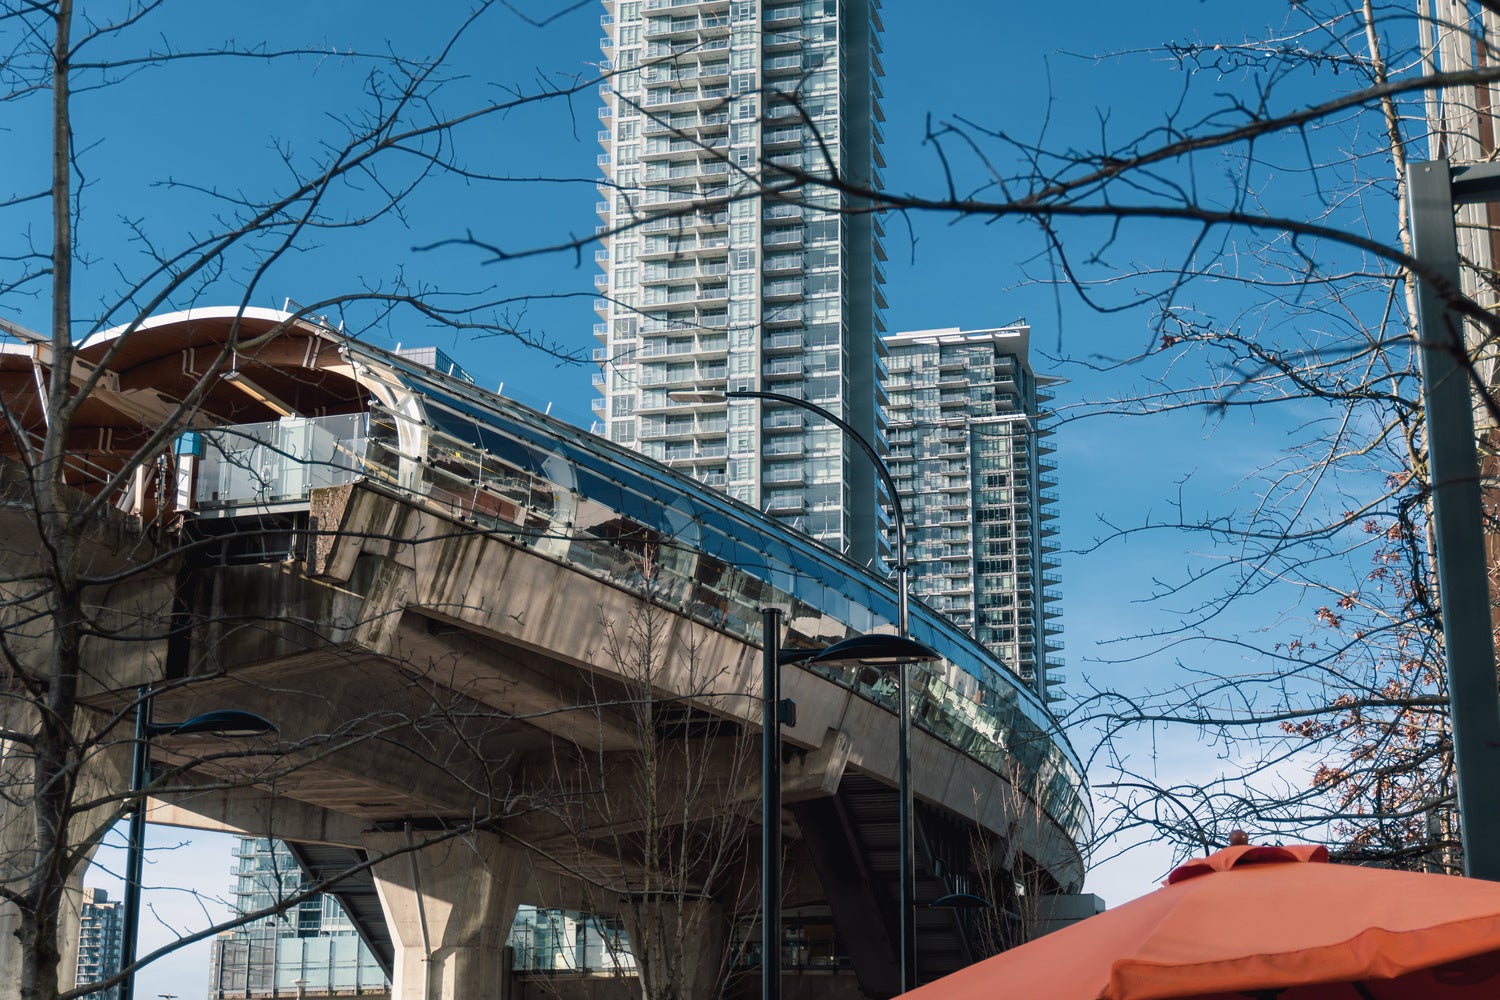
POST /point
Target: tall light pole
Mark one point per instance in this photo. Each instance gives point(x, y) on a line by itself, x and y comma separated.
point(224, 724)
point(1458, 502)
point(874, 650)
point(770, 805)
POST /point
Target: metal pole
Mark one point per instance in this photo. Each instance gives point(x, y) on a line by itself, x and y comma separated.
point(908, 901)
point(1463, 578)
point(135, 841)
point(903, 748)
point(770, 815)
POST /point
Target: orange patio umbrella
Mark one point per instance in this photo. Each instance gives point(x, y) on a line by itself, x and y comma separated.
point(1263, 923)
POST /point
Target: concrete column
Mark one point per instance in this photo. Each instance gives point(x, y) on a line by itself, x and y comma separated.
point(679, 947)
point(449, 907)
point(99, 776)
point(16, 841)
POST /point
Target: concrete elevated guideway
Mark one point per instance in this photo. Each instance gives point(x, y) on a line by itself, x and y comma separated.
point(425, 586)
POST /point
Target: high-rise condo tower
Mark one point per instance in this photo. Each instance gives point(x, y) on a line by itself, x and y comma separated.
point(736, 254)
point(970, 457)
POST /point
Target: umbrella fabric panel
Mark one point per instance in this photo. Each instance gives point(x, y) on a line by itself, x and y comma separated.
point(1261, 919)
point(1267, 925)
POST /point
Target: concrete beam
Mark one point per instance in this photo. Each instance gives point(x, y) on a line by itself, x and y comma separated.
point(252, 812)
point(357, 735)
point(817, 773)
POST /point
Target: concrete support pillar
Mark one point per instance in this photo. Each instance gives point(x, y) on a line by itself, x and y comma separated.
point(680, 947)
point(101, 775)
point(449, 907)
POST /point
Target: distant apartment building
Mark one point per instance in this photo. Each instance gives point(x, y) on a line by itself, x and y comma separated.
point(310, 949)
point(969, 454)
point(552, 940)
point(724, 268)
point(99, 942)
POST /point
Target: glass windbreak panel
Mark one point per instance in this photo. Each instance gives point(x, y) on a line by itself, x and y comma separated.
point(278, 461)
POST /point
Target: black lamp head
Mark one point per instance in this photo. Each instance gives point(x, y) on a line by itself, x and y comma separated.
point(226, 722)
point(877, 650)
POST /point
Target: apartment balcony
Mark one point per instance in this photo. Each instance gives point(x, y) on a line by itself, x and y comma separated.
point(660, 125)
point(788, 447)
point(712, 348)
point(782, 138)
point(782, 290)
point(782, 212)
point(783, 65)
point(782, 422)
point(782, 17)
point(669, 299)
point(690, 245)
point(685, 47)
point(714, 72)
point(784, 264)
point(683, 223)
point(696, 5)
point(685, 273)
point(682, 73)
point(783, 316)
point(783, 342)
point(713, 295)
point(780, 41)
point(783, 368)
point(687, 97)
point(678, 149)
point(679, 29)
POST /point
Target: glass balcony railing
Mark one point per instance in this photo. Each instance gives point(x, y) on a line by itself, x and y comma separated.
point(277, 462)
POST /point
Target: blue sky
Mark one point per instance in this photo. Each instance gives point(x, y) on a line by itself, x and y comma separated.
point(1001, 66)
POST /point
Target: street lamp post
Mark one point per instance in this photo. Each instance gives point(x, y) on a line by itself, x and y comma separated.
point(223, 723)
point(847, 650)
point(770, 805)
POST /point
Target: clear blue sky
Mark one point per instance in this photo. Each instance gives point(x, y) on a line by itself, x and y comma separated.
point(1021, 68)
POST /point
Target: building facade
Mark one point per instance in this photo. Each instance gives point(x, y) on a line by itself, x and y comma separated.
point(727, 265)
point(969, 454)
point(310, 949)
point(552, 940)
point(99, 942)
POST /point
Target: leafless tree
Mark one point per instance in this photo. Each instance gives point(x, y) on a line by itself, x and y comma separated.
point(85, 527)
point(658, 832)
point(1282, 172)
